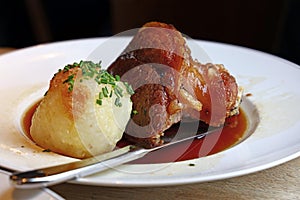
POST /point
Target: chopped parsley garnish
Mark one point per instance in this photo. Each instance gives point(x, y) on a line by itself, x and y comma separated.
point(93, 70)
point(129, 88)
point(118, 102)
point(135, 112)
point(70, 81)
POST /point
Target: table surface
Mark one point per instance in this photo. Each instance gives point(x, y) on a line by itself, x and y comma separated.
point(280, 182)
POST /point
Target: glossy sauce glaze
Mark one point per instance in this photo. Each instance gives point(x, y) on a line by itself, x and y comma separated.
point(231, 134)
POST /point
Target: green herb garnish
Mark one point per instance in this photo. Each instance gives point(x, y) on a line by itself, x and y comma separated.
point(105, 91)
point(70, 81)
point(135, 112)
point(99, 102)
point(94, 71)
point(118, 102)
point(129, 88)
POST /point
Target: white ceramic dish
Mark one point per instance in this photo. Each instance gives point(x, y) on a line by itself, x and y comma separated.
point(272, 81)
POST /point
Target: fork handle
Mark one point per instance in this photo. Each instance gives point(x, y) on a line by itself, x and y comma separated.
point(66, 172)
point(58, 174)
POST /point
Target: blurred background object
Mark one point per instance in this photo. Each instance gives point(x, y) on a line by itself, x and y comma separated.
point(266, 25)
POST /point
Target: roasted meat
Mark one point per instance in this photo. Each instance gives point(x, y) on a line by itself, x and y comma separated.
point(170, 85)
point(213, 87)
point(151, 64)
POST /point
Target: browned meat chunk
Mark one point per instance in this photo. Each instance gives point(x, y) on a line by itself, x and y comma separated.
point(169, 85)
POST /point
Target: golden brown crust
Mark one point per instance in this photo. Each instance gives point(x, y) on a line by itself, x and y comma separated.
point(57, 84)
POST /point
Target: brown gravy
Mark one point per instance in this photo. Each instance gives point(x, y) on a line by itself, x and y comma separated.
point(214, 143)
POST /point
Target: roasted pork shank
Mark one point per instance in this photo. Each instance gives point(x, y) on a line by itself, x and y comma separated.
point(170, 85)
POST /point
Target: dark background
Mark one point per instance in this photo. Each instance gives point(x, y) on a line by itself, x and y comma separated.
point(271, 26)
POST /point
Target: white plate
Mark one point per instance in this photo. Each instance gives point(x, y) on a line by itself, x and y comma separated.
point(272, 81)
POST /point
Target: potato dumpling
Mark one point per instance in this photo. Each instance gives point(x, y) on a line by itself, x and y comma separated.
point(84, 112)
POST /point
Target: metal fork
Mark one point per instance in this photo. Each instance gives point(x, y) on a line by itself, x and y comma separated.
point(58, 174)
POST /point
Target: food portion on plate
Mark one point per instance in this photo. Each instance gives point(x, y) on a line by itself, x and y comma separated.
point(171, 86)
point(83, 113)
point(154, 84)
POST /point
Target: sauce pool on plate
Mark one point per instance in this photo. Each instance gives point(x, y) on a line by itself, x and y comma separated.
point(232, 133)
